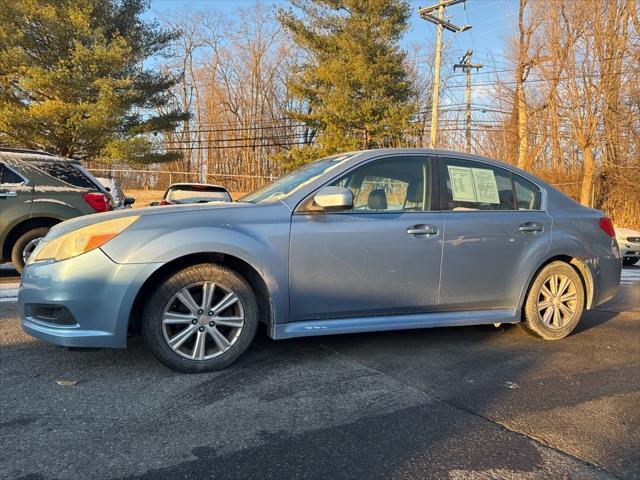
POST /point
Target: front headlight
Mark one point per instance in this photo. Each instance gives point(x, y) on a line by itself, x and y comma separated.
point(82, 240)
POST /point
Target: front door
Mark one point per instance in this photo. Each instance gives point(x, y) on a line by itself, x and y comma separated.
point(494, 232)
point(380, 258)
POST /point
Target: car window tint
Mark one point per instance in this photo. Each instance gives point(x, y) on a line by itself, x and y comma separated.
point(527, 194)
point(477, 186)
point(8, 176)
point(65, 172)
point(389, 185)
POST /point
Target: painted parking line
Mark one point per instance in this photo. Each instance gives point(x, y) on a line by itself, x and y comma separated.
point(9, 292)
point(630, 276)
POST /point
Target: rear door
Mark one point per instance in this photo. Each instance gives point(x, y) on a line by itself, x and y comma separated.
point(495, 232)
point(380, 258)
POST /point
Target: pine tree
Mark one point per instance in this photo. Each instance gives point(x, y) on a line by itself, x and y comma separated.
point(74, 82)
point(353, 82)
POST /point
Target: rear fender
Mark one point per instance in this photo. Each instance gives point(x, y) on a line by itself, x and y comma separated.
point(576, 251)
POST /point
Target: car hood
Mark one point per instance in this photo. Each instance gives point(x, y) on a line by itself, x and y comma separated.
point(86, 220)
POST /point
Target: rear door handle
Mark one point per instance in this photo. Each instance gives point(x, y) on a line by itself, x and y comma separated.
point(422, 229)
point(531, 228)
point(8, 194)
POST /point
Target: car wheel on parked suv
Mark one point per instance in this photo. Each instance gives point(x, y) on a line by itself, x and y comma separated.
point(200, 319)
point(554, 303)
point(25, 245)
point(627, 262)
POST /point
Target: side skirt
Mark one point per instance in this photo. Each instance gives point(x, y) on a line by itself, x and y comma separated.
point(393, 322)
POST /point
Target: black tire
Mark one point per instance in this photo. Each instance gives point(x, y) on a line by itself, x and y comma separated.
point(164, 298)
point(533, 322)
point(627, 262)
point(22, 241)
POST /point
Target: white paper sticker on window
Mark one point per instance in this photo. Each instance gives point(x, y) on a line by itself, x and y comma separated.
point(486, 186)
point(461, 184)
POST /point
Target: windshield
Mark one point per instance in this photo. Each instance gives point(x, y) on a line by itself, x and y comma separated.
point(197, 194)
point(295, 180)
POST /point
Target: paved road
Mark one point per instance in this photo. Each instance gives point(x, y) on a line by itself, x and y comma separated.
point(455, 403)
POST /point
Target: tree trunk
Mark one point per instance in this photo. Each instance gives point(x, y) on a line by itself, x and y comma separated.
point(588, 174)
point(523, 140)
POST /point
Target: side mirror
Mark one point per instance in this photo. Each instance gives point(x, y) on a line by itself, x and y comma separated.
point(334, 199)
point(154, 204)
point(129, 201)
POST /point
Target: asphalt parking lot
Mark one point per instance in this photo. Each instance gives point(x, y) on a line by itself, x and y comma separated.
point(454, 403)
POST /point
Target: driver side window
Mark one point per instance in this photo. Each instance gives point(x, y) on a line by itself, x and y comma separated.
point(394, 184)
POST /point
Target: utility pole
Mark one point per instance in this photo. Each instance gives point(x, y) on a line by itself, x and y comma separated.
point(427, 13)
point(466, 66)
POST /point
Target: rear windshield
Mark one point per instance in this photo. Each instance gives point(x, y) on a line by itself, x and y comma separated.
point(197, 194)
point(66, 172)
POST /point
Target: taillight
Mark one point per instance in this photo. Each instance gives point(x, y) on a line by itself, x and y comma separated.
point(98, 201)
point(607, 226)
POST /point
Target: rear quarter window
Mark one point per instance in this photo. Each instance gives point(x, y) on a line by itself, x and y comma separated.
point(527, 194)
point(8, 176)
point(66, 172)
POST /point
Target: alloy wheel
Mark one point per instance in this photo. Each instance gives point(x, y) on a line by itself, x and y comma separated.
point(557, 301)
point(203, 320)
point(29, 248)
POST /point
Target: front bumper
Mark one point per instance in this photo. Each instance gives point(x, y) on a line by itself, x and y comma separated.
point(629, 250)
point(94, 293)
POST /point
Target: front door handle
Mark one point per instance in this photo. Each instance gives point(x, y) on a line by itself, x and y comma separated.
point(422, 229)
point(531, 228)
point(8, 194)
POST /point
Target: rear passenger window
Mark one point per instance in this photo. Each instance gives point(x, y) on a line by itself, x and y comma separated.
point(66, 172)
point(477, 186)
point(527, 194)
point(8, 176)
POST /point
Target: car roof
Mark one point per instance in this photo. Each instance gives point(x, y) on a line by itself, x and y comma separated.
point(551, 195)
point(25, 150)
point(205, 185)
point(21, 155)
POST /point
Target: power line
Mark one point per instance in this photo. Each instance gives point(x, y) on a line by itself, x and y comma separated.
point(428, 14)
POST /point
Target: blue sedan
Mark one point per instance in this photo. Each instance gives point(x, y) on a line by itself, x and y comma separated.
point(366, 241)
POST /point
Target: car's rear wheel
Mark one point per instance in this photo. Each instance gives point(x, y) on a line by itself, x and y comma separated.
point(200, 319)
point(25, 245)
point(555, 302)
point(627, 262)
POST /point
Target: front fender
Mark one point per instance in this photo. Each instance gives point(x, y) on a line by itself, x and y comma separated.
point(262, 244)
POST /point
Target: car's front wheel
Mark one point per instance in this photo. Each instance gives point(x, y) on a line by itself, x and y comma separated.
point(554, 303)
point(627, 262)
point(200, 319)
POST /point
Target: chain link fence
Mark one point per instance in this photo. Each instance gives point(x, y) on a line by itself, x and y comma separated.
point(130, 179)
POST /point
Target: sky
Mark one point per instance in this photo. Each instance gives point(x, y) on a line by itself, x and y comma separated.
point(492, 22)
